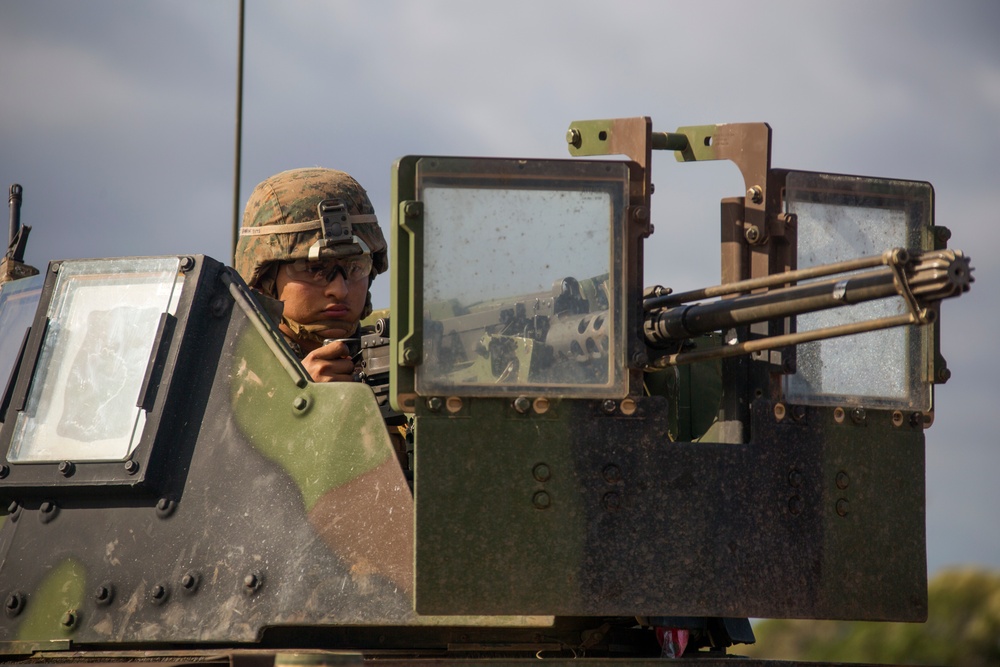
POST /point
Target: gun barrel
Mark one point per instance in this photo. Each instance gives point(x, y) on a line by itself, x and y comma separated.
point(14, 203)
point(923, 278)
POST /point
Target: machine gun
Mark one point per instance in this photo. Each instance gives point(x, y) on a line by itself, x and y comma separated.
point(12, 266)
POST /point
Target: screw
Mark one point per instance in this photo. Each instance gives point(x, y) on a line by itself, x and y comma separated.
point(843, 480)
point(755, 194)
point(522, 404)
point(574, 138)
point(541, 472)
point(131, 467)
point(66, 468)
point(300, 403)
point(541, 500)
point(753, 234)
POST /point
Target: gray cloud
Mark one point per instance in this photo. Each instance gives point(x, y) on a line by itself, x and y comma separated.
point(117, 117)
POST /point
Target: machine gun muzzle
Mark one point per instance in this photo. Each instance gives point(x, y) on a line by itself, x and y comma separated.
point(922, 279)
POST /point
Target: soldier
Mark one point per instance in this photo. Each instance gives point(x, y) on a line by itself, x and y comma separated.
point(310, 239)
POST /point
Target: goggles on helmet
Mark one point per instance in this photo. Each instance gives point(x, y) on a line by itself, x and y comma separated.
point(354, 269)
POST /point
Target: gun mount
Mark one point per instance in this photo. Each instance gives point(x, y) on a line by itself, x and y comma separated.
point(595, 466)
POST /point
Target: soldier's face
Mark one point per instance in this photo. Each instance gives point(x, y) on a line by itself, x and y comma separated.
point(338, 303)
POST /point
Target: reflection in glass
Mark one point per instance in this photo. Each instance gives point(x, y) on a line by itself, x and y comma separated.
point(517, 290)
point(103, 318)
point(841, 218)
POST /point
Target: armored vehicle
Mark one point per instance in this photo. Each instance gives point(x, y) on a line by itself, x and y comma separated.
point(597, 470)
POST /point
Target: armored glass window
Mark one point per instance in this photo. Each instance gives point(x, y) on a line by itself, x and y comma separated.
point(102, 321)
point(840, 218)
point(18, 301)
point(521, 290)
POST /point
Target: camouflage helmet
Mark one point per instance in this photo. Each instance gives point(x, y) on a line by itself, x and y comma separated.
point(282, 222)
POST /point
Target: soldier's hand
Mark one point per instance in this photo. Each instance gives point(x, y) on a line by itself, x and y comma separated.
point(330, 363)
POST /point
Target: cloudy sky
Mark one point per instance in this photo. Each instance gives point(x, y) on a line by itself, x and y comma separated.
point(117, 117)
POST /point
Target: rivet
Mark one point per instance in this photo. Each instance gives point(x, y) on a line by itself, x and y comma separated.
point(541, 500)
point(612, 501)
point(795, 478)
point(104, 594)
point(159, 593)
point(779, 411)
point(68, 619)
point(541, 472)
point(14, 604)
point(218, 306)
point(843, 506)
point(522, 404)
point(252, 582)
point(612, 474)
point(795, 505)
point(453, 404)
point(190, 581)
point(843, 480)
point(541, 405)
point(131, 467)
point(165, 507)
point(434, 404)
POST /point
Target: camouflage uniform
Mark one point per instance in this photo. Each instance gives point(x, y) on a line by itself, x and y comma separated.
point(281, 224)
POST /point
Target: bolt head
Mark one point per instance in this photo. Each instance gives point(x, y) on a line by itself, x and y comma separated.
point(541, 500)
point(574, 138)
point(522, 404)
